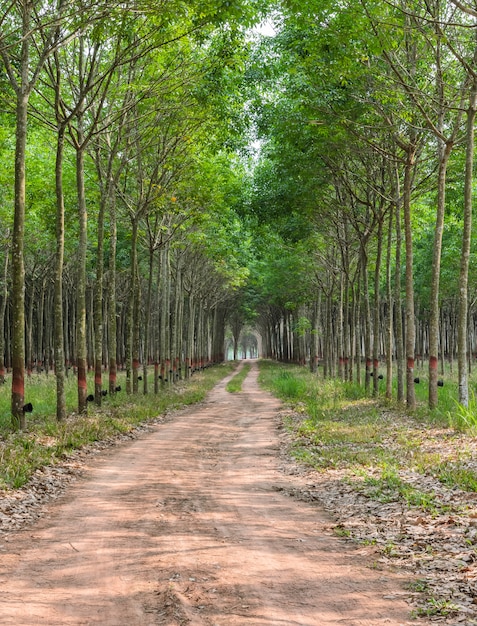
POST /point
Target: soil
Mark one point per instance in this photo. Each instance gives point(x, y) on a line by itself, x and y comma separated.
point(191, 523)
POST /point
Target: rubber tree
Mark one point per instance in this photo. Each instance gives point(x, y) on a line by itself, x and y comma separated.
point(460, 51)
point(24, 50)
point(90, 64)
point(441, 108)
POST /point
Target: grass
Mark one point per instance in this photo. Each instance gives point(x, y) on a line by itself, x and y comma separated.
point(46, 440)
point(235, 384)
point(340, 428)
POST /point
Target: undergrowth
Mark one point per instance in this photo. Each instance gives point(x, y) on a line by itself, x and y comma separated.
point(336, 426)
point(46, 440)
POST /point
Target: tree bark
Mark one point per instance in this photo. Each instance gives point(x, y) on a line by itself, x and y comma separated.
point(81, 338)
point(112, 306)
point(398, 307)
point(377, 306)
point(462, 330)
point(390, 308)
point(367, 318)
point(18, 267)
point(147, 317)
point(3, 308)
point(410, 321)
point(445, 152)
point(98, 305)
point(58, 299)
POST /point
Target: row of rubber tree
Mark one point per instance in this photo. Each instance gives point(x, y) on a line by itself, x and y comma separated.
point(367, 171)
point(114, 116)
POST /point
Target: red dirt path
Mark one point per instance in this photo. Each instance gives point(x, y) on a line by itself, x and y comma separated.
point(190, 524)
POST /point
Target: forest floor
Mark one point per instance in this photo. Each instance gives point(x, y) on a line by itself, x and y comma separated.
point(201, 518)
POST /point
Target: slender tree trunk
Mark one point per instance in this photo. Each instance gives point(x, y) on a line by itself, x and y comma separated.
point(130, 310)
point(157, 330)
point(180, 323)
point(341, 365)
point(40, 339)
point(357, 325)
point(352, 330)
point(173, 339)
point(367, 318)
point(410, 321)
point(81, 337)
point(58, 299)
point(66, 331)
point(346, 330)
point(313, 338)
point(112, 308)
point(98, 306)
point(462, 331)
point(147, 317)
point(377, 306)
point(189, 361)
point(436, 267)
point(390, 307)
point(29, 326)
point(165, 314)
point(3, 308)
point(176, 336)
point(18, 268)
point(136, 334)
point(398, 307)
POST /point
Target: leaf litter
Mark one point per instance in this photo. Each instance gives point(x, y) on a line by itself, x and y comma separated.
point(409, 518)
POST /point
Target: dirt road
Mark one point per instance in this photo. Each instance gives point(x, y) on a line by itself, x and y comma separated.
point(190, 525)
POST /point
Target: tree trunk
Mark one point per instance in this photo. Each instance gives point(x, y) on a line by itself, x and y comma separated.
point(147, 317)
point(58, 299)
point(390, 306)
point(18, 268)
point(356, 328)
point(377, 306)
point(398, 307)
point(165, 314)
point(180, 322)
point(436, 267)
point(313, 338)
point(176, 333)
point(462, 329)
point(410, 321)
point(136, 334)
point(340, 338)
point(367, 318)
point(98, 306)
point(130, 310)
point(40, 340)
point(81, 338)
point(189, 356)
point(3, 308)
point(112, 308)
